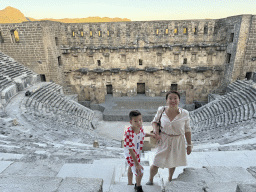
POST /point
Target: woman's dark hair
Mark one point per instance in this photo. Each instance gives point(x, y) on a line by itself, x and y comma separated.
point(175, 92)
point(134, 113)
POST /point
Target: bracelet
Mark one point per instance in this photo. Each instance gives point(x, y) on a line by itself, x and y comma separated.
point(190, 145)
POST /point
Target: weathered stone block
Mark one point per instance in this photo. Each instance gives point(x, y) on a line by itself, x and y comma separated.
point(246, 188)
point(81, 184)
point(181, 186)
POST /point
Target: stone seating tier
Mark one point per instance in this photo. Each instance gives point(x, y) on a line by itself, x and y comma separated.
point(11, 68)
point(5, 83)
point(234, 107)
point(43, 103)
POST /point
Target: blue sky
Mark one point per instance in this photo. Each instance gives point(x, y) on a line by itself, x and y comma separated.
point(136, 10)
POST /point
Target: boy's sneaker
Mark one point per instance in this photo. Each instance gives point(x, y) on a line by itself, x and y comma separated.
point(138, 188)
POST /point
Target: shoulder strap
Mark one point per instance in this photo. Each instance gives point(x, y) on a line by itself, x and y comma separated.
point(161, 115)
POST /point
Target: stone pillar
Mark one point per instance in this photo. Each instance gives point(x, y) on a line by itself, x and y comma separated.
point(190, 106)
point(189, 96)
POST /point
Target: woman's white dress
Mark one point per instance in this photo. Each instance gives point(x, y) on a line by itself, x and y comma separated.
point(171, 150)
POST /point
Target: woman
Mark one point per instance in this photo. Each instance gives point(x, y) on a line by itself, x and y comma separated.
point(171, 150)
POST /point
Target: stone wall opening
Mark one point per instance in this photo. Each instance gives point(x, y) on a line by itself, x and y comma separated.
point(99, 62)
point(185, 61)
point(248, 75)
point(176, 31)
point(42, 77)
point(157, 31)
point(1, 37)
point(140, 61)
point(109, 89)
point(15, 36)
point(56, 41)
point(228, 57)
point(231, 37)
point(185, 31)
point(174, 87)
point(195, 31)
point(59, 61)
point(205, 30)
point(140, 88)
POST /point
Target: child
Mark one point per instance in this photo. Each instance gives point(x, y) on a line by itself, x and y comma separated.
point(133, 143)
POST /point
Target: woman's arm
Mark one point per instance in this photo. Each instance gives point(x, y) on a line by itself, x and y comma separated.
point(153, 135)
point(155, 128)
point(189, 142)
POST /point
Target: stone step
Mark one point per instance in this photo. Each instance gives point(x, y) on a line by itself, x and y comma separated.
point(214, 179)
point(103, 169)
point(49, 184)
point(121, 185)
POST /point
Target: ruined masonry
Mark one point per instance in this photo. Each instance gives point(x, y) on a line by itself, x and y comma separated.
point(195, 57)
point(46, 136)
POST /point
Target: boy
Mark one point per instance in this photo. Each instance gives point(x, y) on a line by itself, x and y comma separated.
point(133, 143)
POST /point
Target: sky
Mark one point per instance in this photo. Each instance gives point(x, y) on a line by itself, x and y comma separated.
point(136, 10)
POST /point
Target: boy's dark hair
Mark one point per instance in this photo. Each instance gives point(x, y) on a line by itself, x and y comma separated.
point(134, 113)
point(175, 92)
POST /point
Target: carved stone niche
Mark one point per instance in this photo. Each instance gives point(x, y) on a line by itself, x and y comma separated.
point(192, 74)
point(169, 69)
point(176, 72)
point(131, 69)
point(83, 70)
point(208, 73)
point(185, 68)
point(202, 69)
point(123, 75)
point(98, 70)
point(114, 70)
point(92, 76)
point(108, 73)
point(218, 68)
point(151, 69)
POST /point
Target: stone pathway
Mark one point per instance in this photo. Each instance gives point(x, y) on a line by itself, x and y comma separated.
point(118, 108)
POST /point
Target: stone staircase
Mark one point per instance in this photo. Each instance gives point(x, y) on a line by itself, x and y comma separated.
point(72, 166)
point(14, 77)
point(48, 101)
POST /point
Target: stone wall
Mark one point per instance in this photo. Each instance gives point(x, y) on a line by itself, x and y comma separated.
point(88, 58)
point(250, 54)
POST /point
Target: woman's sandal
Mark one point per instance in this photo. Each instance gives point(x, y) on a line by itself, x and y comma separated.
point(149, 183)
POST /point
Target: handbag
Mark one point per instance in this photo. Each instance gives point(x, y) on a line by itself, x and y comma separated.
point(154, 141)
point(159, 121)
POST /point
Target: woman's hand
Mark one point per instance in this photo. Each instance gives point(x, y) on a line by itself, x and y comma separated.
point(157, 137)
point(189, 149)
